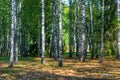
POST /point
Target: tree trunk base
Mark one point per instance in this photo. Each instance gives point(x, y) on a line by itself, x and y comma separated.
point(82, 58)
point(96, 56)
point(42, 60)
point(60, 64)
point(100, 61)
point(10, 65)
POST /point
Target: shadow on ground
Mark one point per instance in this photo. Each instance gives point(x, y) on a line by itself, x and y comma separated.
point(39, 76)
point(31, 69)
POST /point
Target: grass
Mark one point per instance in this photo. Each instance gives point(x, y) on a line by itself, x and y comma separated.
point(30, 69)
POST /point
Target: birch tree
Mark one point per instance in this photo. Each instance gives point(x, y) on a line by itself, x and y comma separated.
point(92, 30)
point(101, 35)
point(76, 26)
point(13, 35)
point(43, 33)
point(82, 33)
point(60, 35)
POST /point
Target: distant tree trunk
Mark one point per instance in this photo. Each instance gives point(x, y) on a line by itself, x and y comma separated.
point(60, 35)
point(0, 38)
point(52, 30)
point(87, 44)
point(51, 41)
point(55, 28)
point(51, 44)
point(82, 39)
point(21, 30)
point(4, 37)
point(70, 31)
point(102, 32)
point(38, 46)
point(118, 9)
point(9, 31)
point(16, 48)
point(13, 35)
point(76, 27)
point(97, 32)
point(92, 30)
point(21, 41)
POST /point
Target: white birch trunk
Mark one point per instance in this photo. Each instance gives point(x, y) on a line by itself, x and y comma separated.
point(83, 36)
point(43, 33)
point(13, 34)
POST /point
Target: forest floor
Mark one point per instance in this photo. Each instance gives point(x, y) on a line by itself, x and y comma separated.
point(31, 69)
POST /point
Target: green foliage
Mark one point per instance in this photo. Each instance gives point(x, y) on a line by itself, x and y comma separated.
point(31, 16)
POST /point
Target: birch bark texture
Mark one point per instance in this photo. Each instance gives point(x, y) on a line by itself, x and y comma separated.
point(13, 53)
point(43, 33)
point(82, 32)
point(53, 46)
